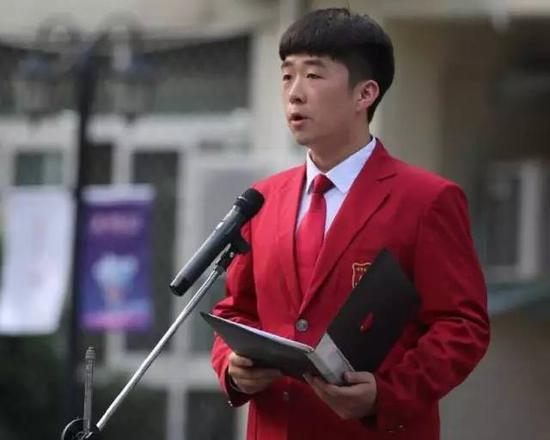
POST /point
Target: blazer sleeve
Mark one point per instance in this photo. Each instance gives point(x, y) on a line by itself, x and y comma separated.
point(239, 305)
point(449, 279)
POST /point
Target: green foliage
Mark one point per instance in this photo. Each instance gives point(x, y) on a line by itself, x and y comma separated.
point(30, 387)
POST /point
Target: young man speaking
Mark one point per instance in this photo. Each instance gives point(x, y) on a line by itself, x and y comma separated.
point(323, 220)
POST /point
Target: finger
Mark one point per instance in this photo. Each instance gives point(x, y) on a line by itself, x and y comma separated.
point(252, 376)
point(251, 386)
point(335, 392)
point(316, 389)
point(328, 388)
point(321, 388)
point(247, 388)
point(254, 383)
point(268, 373)
point(240, 361)
point(254, 373)
point(318, 382)
point(356, 377)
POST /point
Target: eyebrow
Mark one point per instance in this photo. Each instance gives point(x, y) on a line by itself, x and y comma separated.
point(316, 62)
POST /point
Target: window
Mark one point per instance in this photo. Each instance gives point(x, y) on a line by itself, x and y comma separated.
point(515, 220)
point(546, 224)
point(203, 77)
point(141, 416)
point(9, 60)
point(503, 216)
point(202, 335)
point(219, 182)
point(39, 168)
point(209, 416)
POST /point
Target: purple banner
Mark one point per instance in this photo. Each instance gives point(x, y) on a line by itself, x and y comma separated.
point(115, 259)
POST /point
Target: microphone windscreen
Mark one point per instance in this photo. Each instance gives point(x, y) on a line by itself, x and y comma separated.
point(250, 202)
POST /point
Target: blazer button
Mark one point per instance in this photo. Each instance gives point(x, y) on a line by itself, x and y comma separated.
point(302, 325)
point(286, 396)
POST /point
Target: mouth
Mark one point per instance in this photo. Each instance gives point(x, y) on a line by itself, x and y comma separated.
point(296, 120)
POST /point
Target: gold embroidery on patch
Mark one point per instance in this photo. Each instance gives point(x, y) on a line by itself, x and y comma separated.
point(359, 269)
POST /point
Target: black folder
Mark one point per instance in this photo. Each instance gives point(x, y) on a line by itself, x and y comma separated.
point(359, 337)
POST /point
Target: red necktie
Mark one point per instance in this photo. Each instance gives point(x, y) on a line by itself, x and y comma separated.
point(311, 231)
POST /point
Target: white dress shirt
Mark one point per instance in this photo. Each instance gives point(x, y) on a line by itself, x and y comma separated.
point(342, 176)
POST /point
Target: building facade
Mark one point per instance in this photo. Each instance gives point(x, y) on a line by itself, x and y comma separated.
point(469, 101)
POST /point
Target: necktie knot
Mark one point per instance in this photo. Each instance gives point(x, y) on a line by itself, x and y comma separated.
point(321, 184)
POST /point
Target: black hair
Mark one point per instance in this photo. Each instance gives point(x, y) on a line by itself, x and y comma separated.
point(355, 40)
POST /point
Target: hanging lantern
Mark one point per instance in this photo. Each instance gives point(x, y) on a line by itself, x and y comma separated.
point(132, 88)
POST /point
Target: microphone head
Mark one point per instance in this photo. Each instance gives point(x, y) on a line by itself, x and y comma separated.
point(250, 202)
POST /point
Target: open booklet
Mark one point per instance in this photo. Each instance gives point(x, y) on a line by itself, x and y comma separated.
point(359, 337)
point(291, 357)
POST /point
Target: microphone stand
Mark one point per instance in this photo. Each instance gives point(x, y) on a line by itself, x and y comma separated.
point(81, 429)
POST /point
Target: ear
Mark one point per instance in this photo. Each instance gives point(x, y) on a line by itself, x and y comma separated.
point(367, 92)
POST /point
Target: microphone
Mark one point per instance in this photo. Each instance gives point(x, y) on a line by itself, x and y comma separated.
point(228, 230)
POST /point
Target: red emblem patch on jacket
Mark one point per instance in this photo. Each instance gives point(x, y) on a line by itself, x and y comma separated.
point(358, 270)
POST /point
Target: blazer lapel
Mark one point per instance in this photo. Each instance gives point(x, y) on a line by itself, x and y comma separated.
point(288, 203)
point(364, 198)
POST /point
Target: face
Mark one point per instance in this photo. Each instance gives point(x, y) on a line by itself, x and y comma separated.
point(319, 105)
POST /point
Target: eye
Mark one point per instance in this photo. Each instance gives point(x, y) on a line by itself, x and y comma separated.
point(286, 77)
point(313, 76)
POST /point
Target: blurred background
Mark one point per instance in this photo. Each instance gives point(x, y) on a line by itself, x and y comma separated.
point(183, 97)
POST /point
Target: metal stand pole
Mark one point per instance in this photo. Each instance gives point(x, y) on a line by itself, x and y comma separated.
point(71, 430)
point(158, 348)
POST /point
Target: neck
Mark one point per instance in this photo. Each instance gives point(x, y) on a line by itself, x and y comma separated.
point(327, 156)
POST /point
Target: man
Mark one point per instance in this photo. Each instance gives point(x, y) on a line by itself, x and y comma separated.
point(320, 227)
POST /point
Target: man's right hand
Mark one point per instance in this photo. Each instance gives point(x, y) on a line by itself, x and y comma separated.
point(247, 378)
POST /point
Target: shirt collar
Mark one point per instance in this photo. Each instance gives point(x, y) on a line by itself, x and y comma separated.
point(343, 174)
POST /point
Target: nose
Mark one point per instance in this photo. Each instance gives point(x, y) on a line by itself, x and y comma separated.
point(296, 93)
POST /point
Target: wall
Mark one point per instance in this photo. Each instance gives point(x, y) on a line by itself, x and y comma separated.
point(507, 396)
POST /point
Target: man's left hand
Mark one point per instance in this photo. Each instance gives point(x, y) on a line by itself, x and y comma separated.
point(351, 401)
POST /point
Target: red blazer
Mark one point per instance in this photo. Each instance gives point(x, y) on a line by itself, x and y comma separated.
point(422, 219)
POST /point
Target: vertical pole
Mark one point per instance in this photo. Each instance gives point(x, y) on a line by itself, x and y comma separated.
point(85, 82)
point(88, 390)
